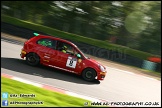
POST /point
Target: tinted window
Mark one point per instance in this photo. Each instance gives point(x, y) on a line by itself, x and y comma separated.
point(47, 42)
point(69, 50)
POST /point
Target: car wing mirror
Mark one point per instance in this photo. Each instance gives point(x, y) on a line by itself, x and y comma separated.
point(78, 55)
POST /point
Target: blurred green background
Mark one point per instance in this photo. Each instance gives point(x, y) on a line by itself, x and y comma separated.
point(134, 24)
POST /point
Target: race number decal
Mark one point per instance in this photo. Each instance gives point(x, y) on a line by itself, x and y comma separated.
point(71, 62)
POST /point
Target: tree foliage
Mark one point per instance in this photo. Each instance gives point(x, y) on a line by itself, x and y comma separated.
point(135, 24)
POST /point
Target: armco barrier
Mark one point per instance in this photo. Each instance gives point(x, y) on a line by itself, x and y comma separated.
point(86, 48)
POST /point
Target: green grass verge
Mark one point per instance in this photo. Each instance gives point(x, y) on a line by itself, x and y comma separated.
point(74, 37)
point(49, 98)
point(151, 72)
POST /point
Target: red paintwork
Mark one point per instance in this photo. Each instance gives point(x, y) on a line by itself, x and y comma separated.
point(57, 58)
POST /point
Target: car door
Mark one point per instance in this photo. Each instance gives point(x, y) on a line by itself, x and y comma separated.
point(66, 61)
point(47, 50)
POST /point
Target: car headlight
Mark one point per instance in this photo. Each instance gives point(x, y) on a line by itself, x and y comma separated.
point(102, 68)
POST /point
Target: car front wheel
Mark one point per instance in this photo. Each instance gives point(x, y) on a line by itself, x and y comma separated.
point(89, 74)
point(32, 59)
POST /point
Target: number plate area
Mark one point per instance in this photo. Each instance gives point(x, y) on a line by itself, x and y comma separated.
point(71, 62)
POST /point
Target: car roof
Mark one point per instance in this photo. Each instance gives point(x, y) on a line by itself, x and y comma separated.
point(56, 38)
point(59, 39)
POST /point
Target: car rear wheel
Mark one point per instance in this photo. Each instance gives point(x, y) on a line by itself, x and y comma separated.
point(89, 74)
point(32, 59)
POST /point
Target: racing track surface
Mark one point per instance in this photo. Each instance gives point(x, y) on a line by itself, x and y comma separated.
point(118, 86)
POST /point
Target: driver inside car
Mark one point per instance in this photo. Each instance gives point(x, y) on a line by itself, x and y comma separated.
point(64, 49)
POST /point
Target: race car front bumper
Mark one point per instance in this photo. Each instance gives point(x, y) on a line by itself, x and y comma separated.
point(23, 53)
point(101, 75)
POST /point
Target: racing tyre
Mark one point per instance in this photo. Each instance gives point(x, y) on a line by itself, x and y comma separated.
point(89, 74)
point(32, 59)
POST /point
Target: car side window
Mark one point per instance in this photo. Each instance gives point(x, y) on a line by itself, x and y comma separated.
point(64, 47)
point(47, 42)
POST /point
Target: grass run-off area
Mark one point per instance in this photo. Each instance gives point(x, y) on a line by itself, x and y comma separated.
point(49, 98)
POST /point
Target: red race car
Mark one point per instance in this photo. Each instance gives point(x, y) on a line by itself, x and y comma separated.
point(61, 54)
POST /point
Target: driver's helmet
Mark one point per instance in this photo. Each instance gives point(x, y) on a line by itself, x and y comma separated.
point(64, 47)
